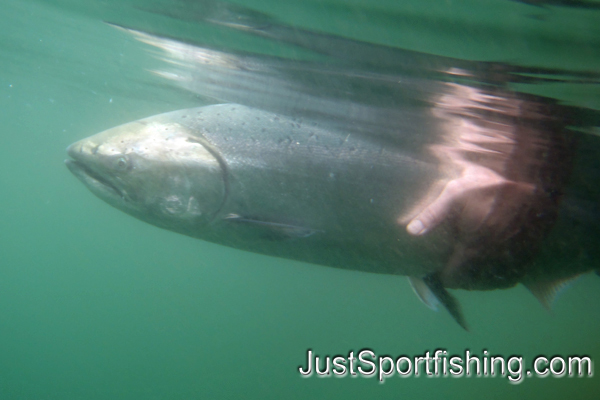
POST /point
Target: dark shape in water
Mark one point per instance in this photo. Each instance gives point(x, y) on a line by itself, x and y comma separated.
point(485, 192)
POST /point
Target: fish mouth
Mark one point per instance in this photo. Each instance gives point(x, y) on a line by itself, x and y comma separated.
point(94, 181)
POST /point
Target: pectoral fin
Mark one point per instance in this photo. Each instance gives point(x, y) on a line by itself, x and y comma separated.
point(431, 292)
point(273, 230)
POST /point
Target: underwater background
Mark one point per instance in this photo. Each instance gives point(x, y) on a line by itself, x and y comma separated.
point(97, 305)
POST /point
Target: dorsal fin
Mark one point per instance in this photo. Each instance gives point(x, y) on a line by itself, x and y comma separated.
point(431, 291)
point(548, 291)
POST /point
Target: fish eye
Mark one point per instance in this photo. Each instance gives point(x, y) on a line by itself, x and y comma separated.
point(122, 164)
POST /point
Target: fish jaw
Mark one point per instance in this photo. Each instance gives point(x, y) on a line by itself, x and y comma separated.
point(84, 166)
point(97, 186)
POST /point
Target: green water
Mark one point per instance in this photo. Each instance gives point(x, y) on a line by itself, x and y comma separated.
point(97, 305)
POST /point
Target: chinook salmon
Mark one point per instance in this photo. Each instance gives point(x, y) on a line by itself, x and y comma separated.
point(292, 188)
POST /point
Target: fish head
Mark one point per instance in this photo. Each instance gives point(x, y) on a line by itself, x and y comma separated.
point(154, 169)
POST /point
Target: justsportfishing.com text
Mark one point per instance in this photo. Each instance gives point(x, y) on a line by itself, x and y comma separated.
point(439, 363)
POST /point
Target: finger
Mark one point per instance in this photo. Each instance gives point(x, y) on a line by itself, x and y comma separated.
point(435, 212)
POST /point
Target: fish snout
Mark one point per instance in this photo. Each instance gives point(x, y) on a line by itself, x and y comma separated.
point(81, 149)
